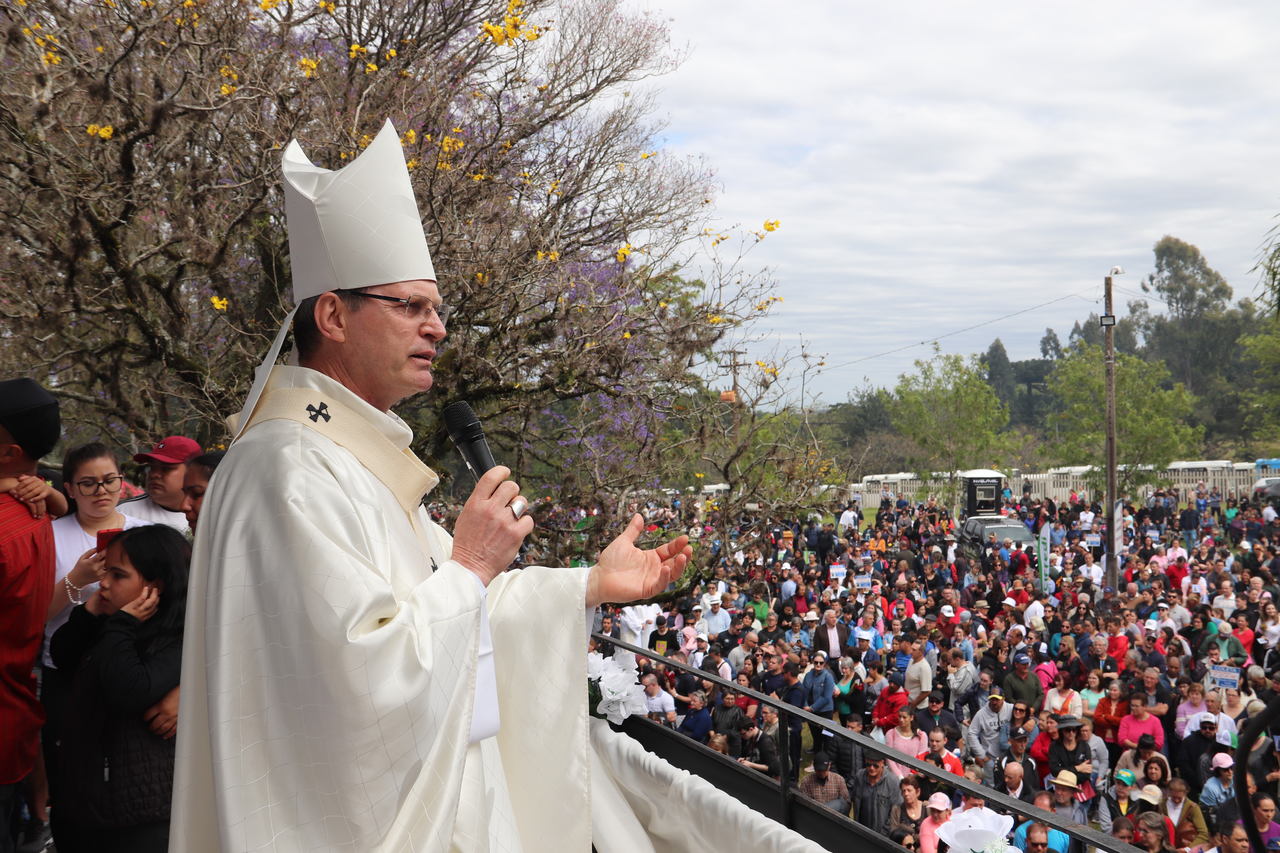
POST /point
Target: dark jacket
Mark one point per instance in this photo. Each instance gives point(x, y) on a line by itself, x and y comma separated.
point(114, 769)
point(763, 751)
point(1061, 758)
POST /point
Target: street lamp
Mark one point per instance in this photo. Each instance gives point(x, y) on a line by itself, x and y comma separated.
point(1111, 569)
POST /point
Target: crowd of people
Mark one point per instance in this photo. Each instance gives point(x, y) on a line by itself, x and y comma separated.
point(89, 758)
point(1117, 706)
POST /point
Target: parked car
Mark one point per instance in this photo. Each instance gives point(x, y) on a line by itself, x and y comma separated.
point(976, 530)
point(1266, 488)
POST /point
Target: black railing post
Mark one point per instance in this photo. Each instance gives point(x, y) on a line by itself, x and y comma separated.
point(784, 766)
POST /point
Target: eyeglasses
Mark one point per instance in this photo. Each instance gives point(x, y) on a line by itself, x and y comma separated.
point(88, 488)
point(1038, 844)
point(419, 309)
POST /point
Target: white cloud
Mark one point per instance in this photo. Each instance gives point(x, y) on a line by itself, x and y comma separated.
point(938, 164)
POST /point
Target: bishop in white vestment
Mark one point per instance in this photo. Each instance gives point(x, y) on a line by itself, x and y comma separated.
point(353, 679)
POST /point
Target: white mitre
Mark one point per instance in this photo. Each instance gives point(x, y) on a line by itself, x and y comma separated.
point(356, 227)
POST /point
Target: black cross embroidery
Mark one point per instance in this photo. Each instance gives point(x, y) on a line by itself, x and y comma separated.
point(317, 413)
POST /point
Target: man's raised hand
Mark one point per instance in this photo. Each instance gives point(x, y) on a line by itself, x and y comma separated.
point(627, 573)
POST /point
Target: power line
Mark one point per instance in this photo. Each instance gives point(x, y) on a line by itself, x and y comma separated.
point(937, 338)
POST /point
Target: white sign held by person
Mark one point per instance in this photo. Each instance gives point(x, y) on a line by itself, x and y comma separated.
point(1225, 677)
point(862, 581)
point(838, 572)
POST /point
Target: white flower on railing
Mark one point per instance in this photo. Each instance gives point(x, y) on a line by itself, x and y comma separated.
point(612, 689)
point(976, 831)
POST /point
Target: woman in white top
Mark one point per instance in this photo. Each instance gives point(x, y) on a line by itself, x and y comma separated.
point(1062, 700)
point(92, 479)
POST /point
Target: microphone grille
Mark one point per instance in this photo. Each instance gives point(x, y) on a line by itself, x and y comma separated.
point(458, 417)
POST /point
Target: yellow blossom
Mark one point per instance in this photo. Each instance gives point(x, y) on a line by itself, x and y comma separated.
point(449, 144)
point(51, 58)
point(268, 5)
point(715, 319)
point(219, 303)
point(308, 66)
point(554, 189)
point(391, 53)
point(369, 68)
point(553, 256)
point(228, 72)
point(482, 277)
point(356, 50)
point(412, 164)
point(626, 336)
point(647, 154)
point(662, 304)
point(326, 6)
point(771, 224)
point(100, 48)
point(102, 131)
point(227, 89)
point(699, 475)
point(409, 137)
point(365, 140)
point(623, 252)
point(478, 176)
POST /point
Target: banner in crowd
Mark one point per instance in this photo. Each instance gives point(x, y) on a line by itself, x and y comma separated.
point(1225, 677)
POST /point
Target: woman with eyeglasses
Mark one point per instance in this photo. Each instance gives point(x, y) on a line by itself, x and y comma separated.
point(91, 478)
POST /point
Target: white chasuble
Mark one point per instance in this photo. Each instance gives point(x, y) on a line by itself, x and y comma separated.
point(329, 674)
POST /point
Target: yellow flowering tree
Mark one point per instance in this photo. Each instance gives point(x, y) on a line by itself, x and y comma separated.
point(145, 255)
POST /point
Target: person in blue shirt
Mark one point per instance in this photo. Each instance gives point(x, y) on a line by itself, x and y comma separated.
point(697, 723)
point(819, 694)
point(1220, 787)
point(1032, 836)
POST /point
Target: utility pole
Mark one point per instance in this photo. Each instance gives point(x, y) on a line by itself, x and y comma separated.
point(1111, 570)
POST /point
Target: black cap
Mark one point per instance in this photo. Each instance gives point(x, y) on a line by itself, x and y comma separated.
point(30, 414)
point(821, 761)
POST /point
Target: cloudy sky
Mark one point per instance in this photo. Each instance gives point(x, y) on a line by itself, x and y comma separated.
point(936, 165)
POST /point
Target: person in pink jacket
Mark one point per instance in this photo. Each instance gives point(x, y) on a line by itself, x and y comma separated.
point(1139, 722)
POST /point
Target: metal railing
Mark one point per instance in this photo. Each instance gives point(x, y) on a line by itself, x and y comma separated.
point(786, 712)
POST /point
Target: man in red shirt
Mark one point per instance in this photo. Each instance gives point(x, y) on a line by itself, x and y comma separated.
point(29, 428)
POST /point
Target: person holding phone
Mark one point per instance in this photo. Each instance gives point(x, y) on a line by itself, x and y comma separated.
point(121, 651)
point(92, 480)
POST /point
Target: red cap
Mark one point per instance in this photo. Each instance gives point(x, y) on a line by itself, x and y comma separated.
point(173, 450)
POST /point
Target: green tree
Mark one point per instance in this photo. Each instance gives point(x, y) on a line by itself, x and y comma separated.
point(952, 415)
point(1153, 419)
point(1263, 413)
point(999, 372)
point(1050, 346)
point(1185, 281)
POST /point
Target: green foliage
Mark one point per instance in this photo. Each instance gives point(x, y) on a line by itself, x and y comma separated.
point(999, 371)
point(951, 414)
point(1050, 346)
point(1153, 417)
point(1263, 412)
point(1185, 281)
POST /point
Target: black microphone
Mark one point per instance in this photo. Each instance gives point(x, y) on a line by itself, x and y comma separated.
point(468, 436)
